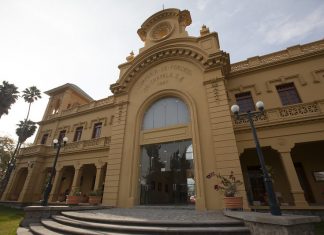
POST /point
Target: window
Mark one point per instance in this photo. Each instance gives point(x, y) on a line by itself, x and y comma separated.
point(288, 94)
point(44, 139)
point(166, 112)
point(96, 130)
point(61, 135)
point(245, 102)
point(78, 133)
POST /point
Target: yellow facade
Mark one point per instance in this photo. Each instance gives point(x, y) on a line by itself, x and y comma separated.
point(195, 71)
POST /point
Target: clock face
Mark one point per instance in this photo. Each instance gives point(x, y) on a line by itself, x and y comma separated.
point(161, 31)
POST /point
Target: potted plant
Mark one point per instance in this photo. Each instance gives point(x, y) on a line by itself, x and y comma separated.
point(95, 197)
point(74, 197)
point(229, 186)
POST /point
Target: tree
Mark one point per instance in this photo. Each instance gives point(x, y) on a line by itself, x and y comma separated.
point(24, 130)
point(8, 96)
point(6, 151)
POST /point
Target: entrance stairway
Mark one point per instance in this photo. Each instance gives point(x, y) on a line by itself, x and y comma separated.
point(95, 223)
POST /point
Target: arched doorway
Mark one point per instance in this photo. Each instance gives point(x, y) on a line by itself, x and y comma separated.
point(18, 184)
point(167, 167)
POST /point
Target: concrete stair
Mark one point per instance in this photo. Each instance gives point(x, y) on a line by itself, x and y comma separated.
point(76, 223)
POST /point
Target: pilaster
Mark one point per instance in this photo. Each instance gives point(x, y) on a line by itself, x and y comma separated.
point(110, 196)
point(225, 149)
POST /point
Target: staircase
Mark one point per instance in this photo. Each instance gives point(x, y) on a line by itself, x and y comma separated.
point(94, 223)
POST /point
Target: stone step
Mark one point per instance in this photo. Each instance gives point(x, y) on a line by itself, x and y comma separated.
point(90, 217)
point(64, 229)
point(24, 231)
point(39, 229)
point(105, 228)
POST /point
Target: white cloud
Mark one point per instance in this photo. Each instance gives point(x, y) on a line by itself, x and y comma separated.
point(202, 4)
point(277, 30)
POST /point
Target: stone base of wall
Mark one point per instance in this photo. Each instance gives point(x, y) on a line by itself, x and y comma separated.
point(266, 224)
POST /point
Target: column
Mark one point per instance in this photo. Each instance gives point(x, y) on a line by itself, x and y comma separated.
point(24, 192)
point(76, 178)
point(98, 177)
point(56, 184)
point(295, 188)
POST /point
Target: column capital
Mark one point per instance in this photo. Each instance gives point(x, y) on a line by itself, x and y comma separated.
point(283, 145)
point(99, 164)
point(77, 166)
point(58, 168)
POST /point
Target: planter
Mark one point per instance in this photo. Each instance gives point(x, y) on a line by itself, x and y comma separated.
point(233, 203)
point(94, 200)
point(73, 200)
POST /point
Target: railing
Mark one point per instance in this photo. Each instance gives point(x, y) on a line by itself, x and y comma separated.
point(285, 114)
point(33, 150)
point(103, 142)
point(81, 108)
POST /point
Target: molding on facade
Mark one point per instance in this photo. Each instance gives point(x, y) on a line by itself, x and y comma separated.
point(290, 54)
point(168, 51)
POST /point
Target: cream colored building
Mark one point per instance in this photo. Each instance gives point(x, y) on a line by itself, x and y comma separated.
point(168, 125)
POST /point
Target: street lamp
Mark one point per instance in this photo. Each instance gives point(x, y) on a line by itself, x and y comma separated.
point(57, 145)
point(274, 207)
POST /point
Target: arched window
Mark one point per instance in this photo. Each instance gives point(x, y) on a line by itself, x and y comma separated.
point(166, 112)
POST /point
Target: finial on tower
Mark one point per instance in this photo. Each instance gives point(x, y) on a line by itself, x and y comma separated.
point(204, 30)
point(130, 57)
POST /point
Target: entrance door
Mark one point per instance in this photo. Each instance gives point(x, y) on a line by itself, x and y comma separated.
point(167, 173)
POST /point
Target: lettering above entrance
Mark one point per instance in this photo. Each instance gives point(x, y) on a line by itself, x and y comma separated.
point(162, 75)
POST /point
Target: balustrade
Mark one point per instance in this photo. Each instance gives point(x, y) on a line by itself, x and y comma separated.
point(103, 142)
point(289, 113)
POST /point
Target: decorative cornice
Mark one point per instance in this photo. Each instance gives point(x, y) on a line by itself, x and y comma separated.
point(92, 106)
point(66, 86)
point(214, 80)
point(293, 52)
point(181, 51)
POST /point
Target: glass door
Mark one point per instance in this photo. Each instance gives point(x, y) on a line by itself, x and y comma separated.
point(167, 173)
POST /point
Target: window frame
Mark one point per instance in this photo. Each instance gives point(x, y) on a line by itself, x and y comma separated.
point(288, 95)
point(77, 136)
point(246, 103)
point(61, 135)
point(45, 136)
point(96, 134)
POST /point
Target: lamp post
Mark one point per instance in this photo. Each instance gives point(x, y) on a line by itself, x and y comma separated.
point(274, 207)
point(57, 145)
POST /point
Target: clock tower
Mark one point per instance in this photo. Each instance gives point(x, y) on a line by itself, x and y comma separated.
point(164, 25)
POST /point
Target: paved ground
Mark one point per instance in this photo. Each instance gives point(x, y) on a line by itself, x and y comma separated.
point(155, 213)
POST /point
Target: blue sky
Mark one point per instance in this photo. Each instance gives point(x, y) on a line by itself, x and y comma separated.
point(49, 43)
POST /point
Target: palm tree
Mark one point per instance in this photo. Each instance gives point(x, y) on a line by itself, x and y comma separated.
point(8, 96)
point(30, 95)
